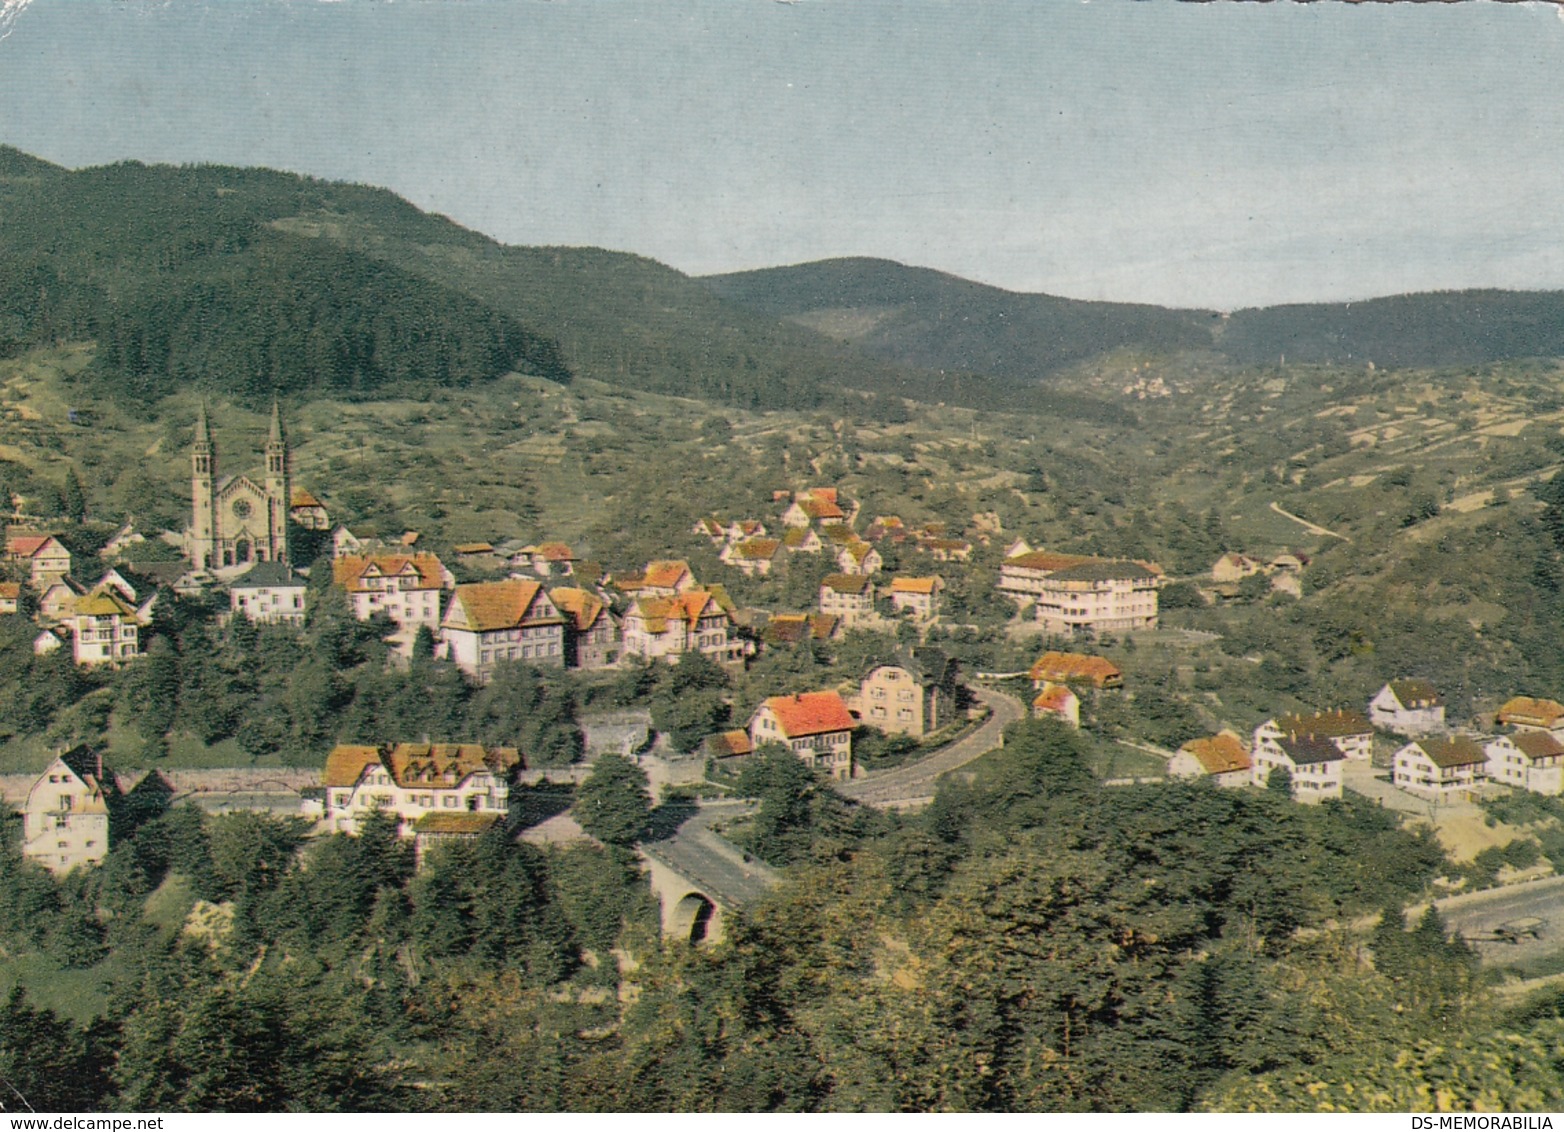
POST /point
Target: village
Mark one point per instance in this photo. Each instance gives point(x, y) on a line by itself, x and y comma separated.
point(552, 609)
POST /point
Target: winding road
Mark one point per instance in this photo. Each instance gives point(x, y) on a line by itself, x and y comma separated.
point(915, 782)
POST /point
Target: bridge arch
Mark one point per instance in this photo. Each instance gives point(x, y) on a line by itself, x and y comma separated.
point(693, 919)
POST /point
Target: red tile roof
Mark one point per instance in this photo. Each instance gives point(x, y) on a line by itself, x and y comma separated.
point(300, 497)
point(810, 713)
point(25, 546)
point(1064, 667)
point(1054, 698)
point(584, 607)
point(418, 764)
point(489, 606)
point(350, 570)
point(913, 585)
point(1532, 712)
point(1222, 753)
point(726, 744)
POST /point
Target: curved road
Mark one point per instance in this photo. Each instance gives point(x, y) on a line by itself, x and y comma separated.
point(915, 781)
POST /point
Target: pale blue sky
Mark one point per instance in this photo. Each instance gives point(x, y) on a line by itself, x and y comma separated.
point(1199, 154)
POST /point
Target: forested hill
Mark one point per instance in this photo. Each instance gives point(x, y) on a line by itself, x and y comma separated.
point(256, 282)
point(183, 279)
point(921, 317)
point(926, 318)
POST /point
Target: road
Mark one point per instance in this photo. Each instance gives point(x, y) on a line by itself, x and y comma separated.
point(1479, 913)
point(1313, 528)
point(719, 868)
point(915, 781)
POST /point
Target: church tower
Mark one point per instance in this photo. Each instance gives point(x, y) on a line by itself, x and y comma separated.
point(279, 493)
point(203, 484)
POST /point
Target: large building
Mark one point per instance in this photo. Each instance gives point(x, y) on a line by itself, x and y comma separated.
point(405, 587)
point(412, 780)
point(1098, 597)
point(234, 520)
point(489, 622)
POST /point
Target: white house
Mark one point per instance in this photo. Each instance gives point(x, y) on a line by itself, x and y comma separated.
point(405, 587)
point(1350, 731)
point(269, 593)
point(1314, 763)
point(489, 622)
point(411, 780)
point(815, 726)
point(1442, 769)
point(65, 822)
point(104, 630)
point(1059, 702)
point(1527, 760)
point(1221, 757)
point(848, 596)
point(918, 596)
point(1408, 707)
point(1098, 596)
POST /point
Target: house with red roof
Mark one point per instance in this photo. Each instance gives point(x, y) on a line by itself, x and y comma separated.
point(815, 726)
point(407, 588)
point(591, 629)
point(417, 780)
point(489, 622)
point(661, 578)
point(10, 597)
point(1057, 701)
point(45, 556)
point(1075, 668)
point(663, 627)
point(306, 511)
point(1221, 758)
point(917, 596)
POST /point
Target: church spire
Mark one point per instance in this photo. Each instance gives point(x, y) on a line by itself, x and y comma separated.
point(276, 436)
point(202, 436)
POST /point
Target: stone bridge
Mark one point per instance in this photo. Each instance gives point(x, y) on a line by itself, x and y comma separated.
point(699, 878)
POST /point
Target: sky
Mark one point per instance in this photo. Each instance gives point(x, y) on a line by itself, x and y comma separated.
point(1216, 155)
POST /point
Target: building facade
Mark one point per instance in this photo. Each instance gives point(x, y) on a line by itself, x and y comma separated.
point(233, 519)
point(70, 808)
point(489, 622)
point(815, 726)
point(411, 780)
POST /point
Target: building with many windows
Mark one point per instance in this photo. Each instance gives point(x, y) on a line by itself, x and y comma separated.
point(412, 780)
point(489, 622)
point(815, 726)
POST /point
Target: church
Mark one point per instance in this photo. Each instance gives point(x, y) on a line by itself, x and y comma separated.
point(234, 520)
